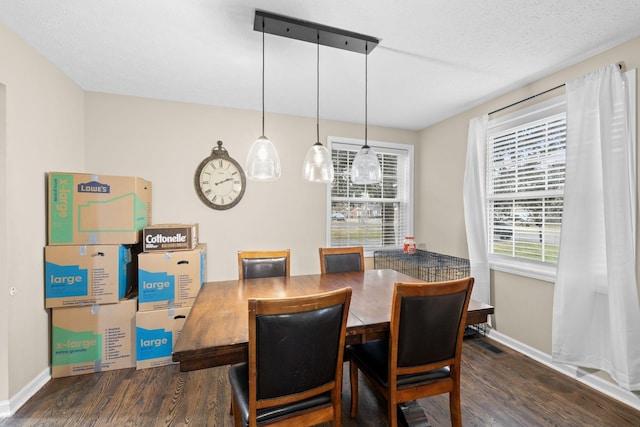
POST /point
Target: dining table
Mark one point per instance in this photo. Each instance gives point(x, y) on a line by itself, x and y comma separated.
point(216, 330)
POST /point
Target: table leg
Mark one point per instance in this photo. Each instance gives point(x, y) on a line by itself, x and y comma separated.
point(412, 415)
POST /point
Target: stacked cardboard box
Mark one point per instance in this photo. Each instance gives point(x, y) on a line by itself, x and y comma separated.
point(85, 209)
point(170, 279)
point(95, 224)
point(170, 237)
point(171, 271)
point(156, 334)
point(87, 274)
point(88, 339)
point(113, 305)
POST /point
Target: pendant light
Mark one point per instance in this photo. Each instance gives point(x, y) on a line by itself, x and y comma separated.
point(263, 163)
point(318, 166)
point(365, 168)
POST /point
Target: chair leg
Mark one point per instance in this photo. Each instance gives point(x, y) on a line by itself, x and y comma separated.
point(454, 408)
point(354, 388)
point(237, 419)
point(393, 413)
point(337, 408)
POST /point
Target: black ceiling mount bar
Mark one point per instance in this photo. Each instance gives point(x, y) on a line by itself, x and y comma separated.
point(292, 28)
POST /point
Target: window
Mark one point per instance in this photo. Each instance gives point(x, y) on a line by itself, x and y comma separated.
point(373, 216)
point(525, 183)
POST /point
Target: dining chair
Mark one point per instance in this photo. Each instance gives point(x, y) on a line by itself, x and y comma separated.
point(340, 260)
point(293, 376)
point(258, 264)
point(422, 356)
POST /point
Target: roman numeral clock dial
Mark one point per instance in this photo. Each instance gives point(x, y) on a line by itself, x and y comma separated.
point(219, 180)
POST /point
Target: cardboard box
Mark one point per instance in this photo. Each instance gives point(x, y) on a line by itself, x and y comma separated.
point(93, 338)
point(84, 275)
point(170, 237)
point(156, 334)
point(96, 209)
point(170, 279)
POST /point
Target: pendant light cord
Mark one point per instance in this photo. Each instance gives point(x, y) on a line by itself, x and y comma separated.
point(366, 68)
point(318, 90)
point(263, 77)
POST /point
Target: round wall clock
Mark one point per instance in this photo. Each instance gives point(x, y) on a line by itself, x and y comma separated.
point(219, 180)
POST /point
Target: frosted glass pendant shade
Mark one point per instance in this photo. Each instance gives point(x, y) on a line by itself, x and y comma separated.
point(263, 163)
point(318, 166)
point(366, 167)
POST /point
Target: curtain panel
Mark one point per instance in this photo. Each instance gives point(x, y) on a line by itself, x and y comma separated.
point(475, 207)
point(596, 313)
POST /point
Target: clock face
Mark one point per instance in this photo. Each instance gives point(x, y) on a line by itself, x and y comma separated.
point(220, 182)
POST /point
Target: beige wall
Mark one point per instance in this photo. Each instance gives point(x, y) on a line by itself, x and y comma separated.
point(523, 306)
point(44, 131)
point(4, 302)
point(165, 141)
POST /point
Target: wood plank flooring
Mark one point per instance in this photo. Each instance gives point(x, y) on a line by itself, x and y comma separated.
point(500, 387)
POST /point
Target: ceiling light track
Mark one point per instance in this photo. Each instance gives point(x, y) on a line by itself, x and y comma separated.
point(311, 32)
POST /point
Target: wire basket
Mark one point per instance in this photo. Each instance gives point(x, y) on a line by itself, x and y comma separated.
point(423, 265)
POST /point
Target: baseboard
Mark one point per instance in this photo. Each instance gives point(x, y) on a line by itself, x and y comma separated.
point(9, 407)
point(5, 409)
point(591, 380)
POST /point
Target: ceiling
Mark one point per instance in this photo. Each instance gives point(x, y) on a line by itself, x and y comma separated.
point(436, 58)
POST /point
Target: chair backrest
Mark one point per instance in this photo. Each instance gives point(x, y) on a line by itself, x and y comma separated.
point(427, 325)
point(341, 260)
point(296, 347)
point(259, 264)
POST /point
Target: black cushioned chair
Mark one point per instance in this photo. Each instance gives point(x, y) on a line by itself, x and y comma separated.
point(258, 264)
point(422, 356)
point(294, 373)
point(340, 260)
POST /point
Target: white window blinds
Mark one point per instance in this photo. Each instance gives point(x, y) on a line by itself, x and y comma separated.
point(525, 182)
point(373, 216)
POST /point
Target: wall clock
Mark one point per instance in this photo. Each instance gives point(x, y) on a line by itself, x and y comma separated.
point(219, 180)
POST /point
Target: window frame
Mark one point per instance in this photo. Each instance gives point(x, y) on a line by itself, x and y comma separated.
point(517, 265)
point(378, 146)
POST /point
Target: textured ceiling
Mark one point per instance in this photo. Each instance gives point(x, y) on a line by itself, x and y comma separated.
point(436, 58)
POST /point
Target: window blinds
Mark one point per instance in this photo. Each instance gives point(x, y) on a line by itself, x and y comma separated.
point(376, 215)
point(525, 182)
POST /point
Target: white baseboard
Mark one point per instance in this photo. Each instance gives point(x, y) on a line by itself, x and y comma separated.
point(9, 407)
point(591, 380)
point(5, 409)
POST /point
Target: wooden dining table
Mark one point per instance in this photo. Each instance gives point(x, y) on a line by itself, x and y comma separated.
point(216, 330)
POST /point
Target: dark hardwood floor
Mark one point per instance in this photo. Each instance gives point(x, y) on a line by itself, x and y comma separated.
point(500, 387)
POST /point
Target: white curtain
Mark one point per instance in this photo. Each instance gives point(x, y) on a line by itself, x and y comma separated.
point(596, 314)
point(475, 207)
